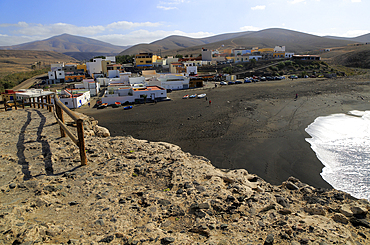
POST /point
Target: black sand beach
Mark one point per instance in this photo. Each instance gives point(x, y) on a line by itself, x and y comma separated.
point(259, 126)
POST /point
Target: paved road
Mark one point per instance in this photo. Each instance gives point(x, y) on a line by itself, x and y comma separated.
point(29, 82)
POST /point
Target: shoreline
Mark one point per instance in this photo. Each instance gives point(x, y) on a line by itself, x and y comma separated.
point(259, 127)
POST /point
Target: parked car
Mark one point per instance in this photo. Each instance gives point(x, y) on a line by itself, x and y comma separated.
point(223, 83)
point(231, 83)
point(262, 78)
point(247, 80)
point(238, 82)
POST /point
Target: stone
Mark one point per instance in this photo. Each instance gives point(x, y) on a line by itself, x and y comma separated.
point(107, 239)
point(167, 240)
point(99, 222)
point(358, 210)
point(269, 239)
point(290, 186)
point(282, 201)
point(12, 185)
point(341, 218)
point(345, 209)
point(315, 209)
point(284, 211)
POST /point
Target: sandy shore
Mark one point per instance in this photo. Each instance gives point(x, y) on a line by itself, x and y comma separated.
point(259, 127)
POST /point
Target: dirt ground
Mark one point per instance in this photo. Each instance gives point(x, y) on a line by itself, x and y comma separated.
point(257, 126)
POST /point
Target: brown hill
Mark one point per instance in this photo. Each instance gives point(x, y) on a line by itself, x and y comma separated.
point(178, 42)
point(21, 60)
point(294, 41)
point(350, 56)
point(68, 43)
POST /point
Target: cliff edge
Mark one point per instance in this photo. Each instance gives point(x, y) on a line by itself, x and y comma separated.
point(139, 192)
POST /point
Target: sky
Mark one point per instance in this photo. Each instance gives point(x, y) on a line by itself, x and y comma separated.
point(122, 22)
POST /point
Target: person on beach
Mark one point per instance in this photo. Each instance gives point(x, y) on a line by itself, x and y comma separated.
point(296, 96)
point(89, 104)
point(210, 102)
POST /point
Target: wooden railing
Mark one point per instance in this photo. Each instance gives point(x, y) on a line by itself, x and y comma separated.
point(59, 107)
point(79, 140)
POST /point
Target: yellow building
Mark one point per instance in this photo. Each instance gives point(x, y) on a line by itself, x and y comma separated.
point(279, 55)
point(81, 67)
point(145, 60)
point(266, 50)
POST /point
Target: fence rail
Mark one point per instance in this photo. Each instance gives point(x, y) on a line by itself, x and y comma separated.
point(59, 108)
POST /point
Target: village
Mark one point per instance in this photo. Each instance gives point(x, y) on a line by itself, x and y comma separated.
point(122, 84)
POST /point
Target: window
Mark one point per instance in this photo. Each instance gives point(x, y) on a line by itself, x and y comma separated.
point(66, 103)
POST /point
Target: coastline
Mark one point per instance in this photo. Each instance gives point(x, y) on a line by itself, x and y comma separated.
point(259, 127)
point(138, 192)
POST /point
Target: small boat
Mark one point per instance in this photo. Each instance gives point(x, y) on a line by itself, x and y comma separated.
point(103, 105)
point(185, 96)
point(127, 107)
point(193, 96)
point(117, 104)
point(99, 102)
point(201, 96)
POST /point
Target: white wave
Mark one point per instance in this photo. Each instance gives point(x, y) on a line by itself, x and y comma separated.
point(342, 143)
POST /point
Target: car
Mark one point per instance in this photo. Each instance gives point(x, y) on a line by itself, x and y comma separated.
point(247, 80)
point(193, 96)
point(231, 83)
point(223, 83)
point(262, 78)
point(238, 82)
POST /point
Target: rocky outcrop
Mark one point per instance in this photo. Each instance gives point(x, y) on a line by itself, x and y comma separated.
point(139, 192)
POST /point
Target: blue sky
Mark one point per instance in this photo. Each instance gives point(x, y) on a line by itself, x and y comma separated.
point(143, 21)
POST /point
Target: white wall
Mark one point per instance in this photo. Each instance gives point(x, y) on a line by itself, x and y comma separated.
point(51, 74)
point(94, 67)
point(113, 73)
point(289, 55)
point(77, 101)
point(60, 74)
point(206, 55)
point(191, 70)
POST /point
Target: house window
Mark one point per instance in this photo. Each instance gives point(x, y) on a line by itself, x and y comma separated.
point(66, 103)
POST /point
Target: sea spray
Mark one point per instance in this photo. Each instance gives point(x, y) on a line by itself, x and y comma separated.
point(342, 143)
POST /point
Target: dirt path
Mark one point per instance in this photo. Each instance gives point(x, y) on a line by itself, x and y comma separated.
point(29, 82)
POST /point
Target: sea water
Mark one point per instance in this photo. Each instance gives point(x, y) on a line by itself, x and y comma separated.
point(342, 143)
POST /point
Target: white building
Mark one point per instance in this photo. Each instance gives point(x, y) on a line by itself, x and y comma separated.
point(31, 93)
point(279, 49)
point(73, 98)
point(134, 94)
point(206, 55)
point(89, 85)
point(191, 69)
point(95, 66)
point(241, 58)
point(289, 55)
point(113, 73)
point(174, 81)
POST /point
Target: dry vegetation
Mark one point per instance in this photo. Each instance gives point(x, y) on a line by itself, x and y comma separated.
point(13, 61)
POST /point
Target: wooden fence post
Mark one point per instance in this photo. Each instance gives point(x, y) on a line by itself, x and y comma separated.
point(42, 101)
point(23, 103)
point(48, 99)
point(81, 141)
point(59, 112)
point(38, 102)
point(15, 104)
point(5, 105)
point(34, 102)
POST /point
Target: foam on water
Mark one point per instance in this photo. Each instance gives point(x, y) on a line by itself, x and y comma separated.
point(342, 143)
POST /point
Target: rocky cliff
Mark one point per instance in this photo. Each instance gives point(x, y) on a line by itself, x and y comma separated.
point(140, 192)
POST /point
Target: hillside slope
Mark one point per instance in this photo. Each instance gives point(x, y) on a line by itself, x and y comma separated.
point(294, 41)
point(68, 43)
point(138, 192)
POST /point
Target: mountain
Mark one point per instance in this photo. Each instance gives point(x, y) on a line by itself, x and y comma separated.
point(178, 42)
point(360, 39)
point(66, 43)
point(297, 42)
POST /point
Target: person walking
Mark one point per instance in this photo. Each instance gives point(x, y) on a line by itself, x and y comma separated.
point(210, 102)
point(296, 96)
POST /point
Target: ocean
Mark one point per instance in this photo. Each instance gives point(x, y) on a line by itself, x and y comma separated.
point(342, 143)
